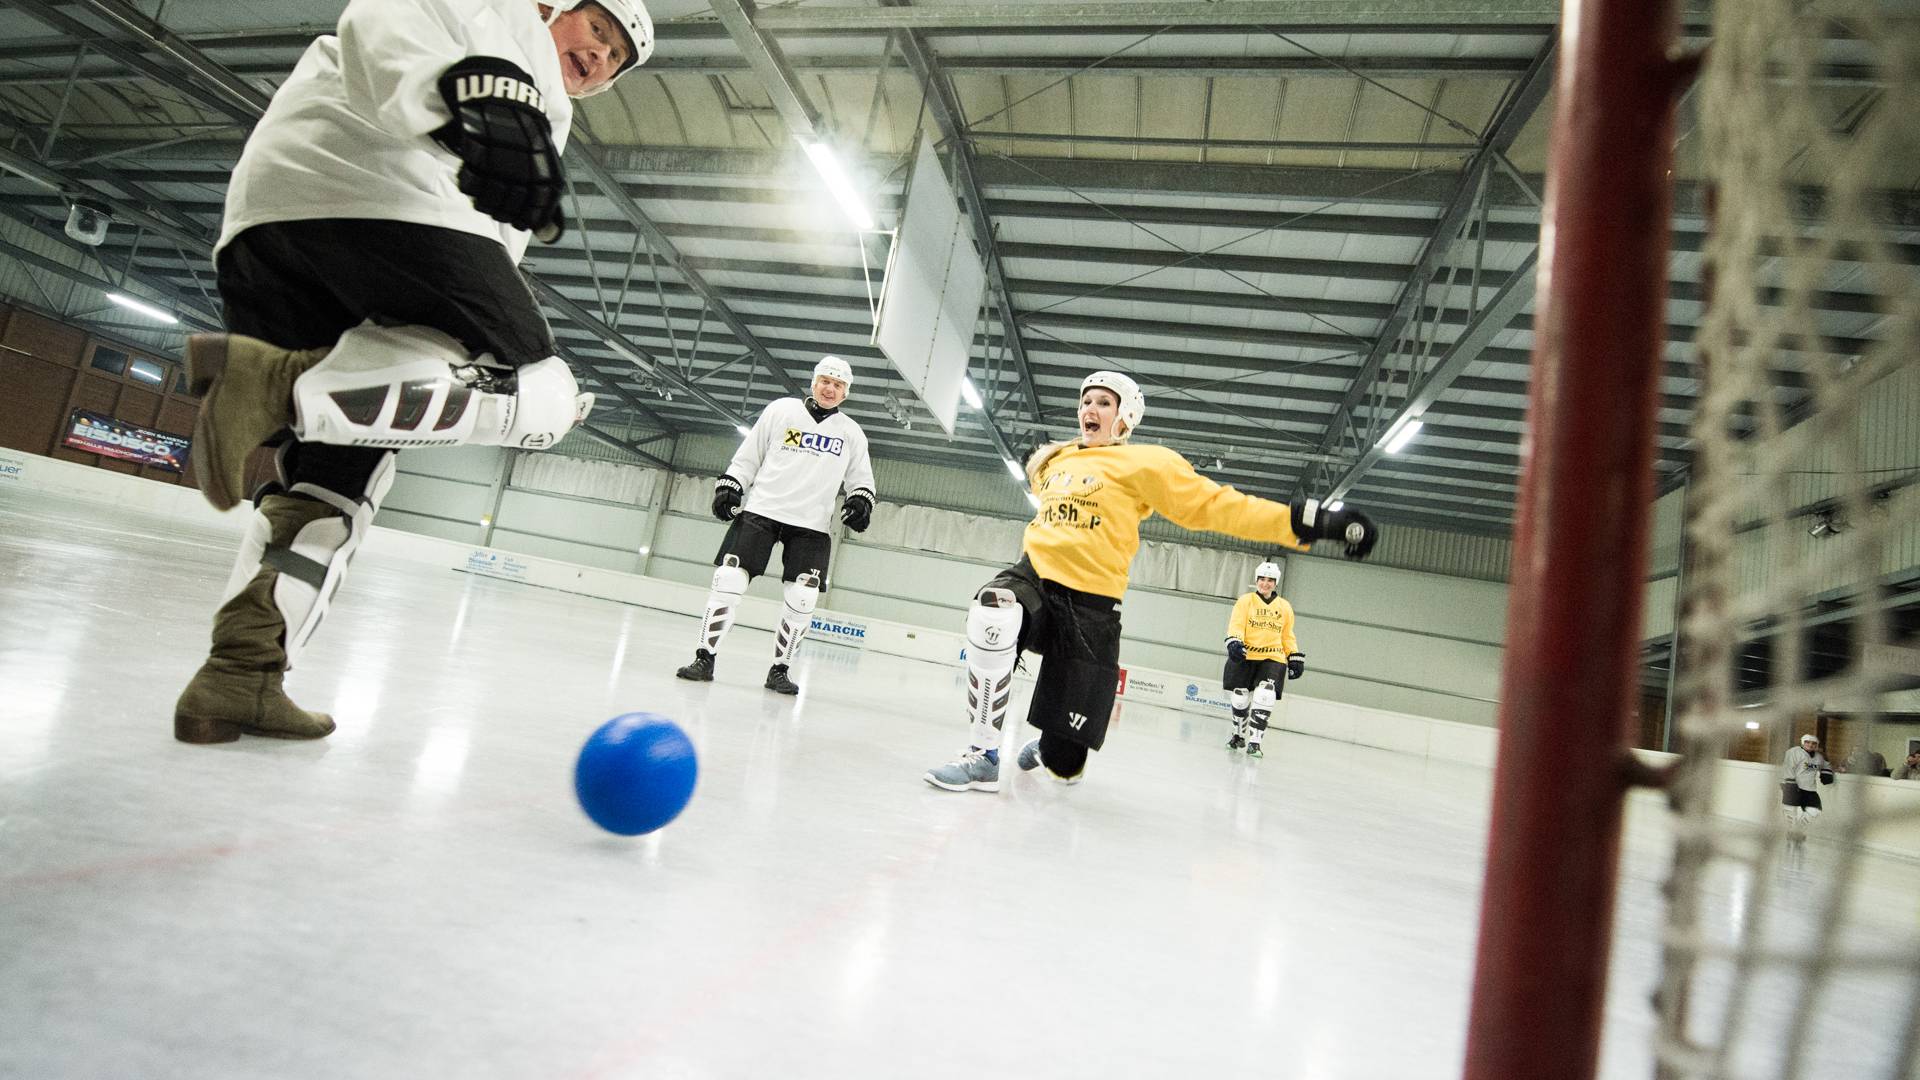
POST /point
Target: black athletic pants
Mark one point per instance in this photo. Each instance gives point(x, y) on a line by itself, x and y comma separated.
point(301, 284)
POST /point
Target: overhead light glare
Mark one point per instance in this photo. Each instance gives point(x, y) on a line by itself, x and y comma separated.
point(143, 308)
point(1013, 467)
point(1753, 725)
point(1034, 499)
point(743, 429)
point(840, 184)
point(968, 394)
point(1401, 438)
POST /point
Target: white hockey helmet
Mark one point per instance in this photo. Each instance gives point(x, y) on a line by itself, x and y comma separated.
point(632, 17)
point(1133, 404)
point(1267, 570)
point(834, 368)
point(1809, 738)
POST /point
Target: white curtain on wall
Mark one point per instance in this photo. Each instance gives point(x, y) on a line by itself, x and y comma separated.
point(945, 532)
point(1202, 571)
point(607, 481)
point(691, 495)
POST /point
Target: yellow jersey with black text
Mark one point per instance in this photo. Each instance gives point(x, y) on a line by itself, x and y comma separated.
point(1093, 499)
point(1265, 627)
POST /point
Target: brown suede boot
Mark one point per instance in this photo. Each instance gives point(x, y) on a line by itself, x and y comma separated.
point(246, 388)
point(237, 691)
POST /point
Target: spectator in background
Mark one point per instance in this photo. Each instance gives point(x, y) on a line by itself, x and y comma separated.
point(1911, 770)
point(1868, 762)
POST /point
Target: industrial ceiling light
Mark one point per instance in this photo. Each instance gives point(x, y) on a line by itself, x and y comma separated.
point(840, 184)
point(1014, 468)
point(1398, 440)
point(1825, 523)
point(968, 394)
point(143, 308)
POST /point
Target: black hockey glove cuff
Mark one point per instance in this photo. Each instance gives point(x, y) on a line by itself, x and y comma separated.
point(857, 512)
point(1313, 521)
point(1296, 665)
point(727, 494)
point(499, 131)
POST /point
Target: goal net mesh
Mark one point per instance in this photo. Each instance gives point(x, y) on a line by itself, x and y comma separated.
point(1792, 946)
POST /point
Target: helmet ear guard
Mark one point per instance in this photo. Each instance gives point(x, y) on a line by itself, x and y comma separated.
point(1133, 403)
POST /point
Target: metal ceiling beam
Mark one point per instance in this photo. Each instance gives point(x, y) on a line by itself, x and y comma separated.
point(160, 294)
point(1441, 15)
point(1523, 98)
point(1195, 66)
point(212, 98)
point(802, 119)
point(944, 104)
point(627, 350)
point(243, 95)
point(579, 153)
point(1505, 306)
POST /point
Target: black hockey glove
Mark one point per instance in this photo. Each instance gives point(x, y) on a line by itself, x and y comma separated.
point(857, 512)
point(499, 131)
point(1313, 521)
point(1296, 665)
point(727, 493)
point(1236, 650)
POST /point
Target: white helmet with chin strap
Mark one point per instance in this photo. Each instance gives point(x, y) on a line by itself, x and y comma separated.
point(633, 19)
point(1133, 404)
point(1266, 570)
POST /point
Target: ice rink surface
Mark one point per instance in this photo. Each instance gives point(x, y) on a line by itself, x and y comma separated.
point(419, 895)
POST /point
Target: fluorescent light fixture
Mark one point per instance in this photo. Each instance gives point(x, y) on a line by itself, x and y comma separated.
point(840, 184)
point(143, 308)
point(1034, 499)
point(1013, 467)
point(1334, 505)
point(743, 429)
point(1753, 725)
point(968, 394)
point(1399, 440)
point(643, 549)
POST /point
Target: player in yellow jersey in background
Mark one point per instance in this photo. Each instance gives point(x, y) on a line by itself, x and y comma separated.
point(1262, 654)
point(1062, 599)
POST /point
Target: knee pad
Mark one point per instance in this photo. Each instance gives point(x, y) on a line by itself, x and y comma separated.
point(801, 594)
point(993, 631)
point(729, 578)
point(307, 535)
point(1238, 699)
point(1263, 701)
point(403, 386)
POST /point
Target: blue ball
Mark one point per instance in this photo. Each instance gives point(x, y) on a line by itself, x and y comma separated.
point(635, 773)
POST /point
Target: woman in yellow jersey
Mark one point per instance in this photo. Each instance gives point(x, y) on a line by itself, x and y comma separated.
point(1262, 654)
point(1062, 599)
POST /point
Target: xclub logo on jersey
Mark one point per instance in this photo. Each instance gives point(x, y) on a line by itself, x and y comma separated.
point(814, 441)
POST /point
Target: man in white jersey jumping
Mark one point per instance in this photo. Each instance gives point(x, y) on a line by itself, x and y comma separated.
point(786, 472)
point(367, 268)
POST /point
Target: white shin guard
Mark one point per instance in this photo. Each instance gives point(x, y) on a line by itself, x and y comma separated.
point(1261, 710)
point(801, 595)
point(723, 603)
point(993, 634)
point(312, 565)
point(404, 386)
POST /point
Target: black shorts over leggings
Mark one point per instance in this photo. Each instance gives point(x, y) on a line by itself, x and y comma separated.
point(301, 284)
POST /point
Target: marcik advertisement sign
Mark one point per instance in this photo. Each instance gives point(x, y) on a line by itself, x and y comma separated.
point(99, 434)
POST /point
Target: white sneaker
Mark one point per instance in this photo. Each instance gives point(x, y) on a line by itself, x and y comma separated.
point(972, 771)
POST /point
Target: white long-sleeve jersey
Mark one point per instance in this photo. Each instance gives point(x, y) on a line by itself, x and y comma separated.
point(348, 134)
point(791, 464)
